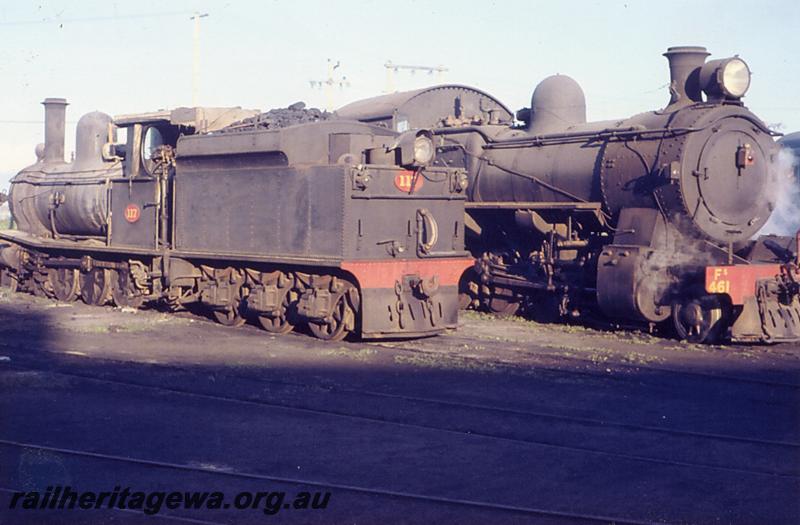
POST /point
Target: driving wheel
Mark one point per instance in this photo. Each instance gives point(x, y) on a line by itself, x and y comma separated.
point(123, 291)
point(700, 320)
point(96, 286)
point(65, 283)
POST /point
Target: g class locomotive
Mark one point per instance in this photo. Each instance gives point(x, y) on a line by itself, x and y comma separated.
point(343, 226)
point(649, 218)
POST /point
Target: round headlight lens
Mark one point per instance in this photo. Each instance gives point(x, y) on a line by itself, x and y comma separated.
point(735, 77)
point(423, 150)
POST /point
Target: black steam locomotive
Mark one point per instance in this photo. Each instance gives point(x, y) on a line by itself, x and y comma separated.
point(648, 218)
point(342, 226)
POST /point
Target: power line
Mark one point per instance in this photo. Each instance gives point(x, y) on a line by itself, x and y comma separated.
point(32, 121)
point(59, 20)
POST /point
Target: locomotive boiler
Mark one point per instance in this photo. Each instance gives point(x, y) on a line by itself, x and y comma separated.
point(287, 218)
point(647, 218)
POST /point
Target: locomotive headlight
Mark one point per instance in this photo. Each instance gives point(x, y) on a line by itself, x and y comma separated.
point(414, 149)
point(735, 77)
point(725, 78)
point(423, 149)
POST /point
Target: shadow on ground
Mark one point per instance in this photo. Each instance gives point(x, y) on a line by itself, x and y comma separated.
point(463, 428)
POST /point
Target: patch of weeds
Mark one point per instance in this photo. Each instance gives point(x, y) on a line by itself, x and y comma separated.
point(639, 358)
point(109, 328)
point(445, 362)
point(575, 349)
point(362, 354)
point(90, 329)
point(685, 346)
point(600, 356)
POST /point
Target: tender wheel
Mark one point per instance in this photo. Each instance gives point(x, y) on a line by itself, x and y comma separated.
point(65, 283)
point(503, 302)
point(335, 328)
point(96, 286)
point(232, 316)
point(279, 323)
point(700, 320)
point(8, 280)
point(123, 292)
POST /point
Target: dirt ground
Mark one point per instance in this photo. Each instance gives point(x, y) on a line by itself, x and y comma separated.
point(501, 421)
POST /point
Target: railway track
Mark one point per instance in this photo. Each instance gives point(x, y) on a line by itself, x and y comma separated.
point(585, 518)
point(538, 429)
point(261, 403)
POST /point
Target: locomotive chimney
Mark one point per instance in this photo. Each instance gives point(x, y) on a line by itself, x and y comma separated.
point(684, 73)
point(55, 110)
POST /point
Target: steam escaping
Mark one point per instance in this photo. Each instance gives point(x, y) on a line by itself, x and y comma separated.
point(785, 219)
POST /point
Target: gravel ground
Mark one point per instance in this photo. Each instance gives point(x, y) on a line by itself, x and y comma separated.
point(501, 421)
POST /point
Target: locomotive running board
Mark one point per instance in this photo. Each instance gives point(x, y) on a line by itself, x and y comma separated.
point(30, 241)
point(488, 205)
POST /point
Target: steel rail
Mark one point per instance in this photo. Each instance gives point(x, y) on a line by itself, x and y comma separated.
point(322, 484)
point(383, 421)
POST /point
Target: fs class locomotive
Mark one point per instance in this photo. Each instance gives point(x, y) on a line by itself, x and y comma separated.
point(648, 218)
point(288, 219)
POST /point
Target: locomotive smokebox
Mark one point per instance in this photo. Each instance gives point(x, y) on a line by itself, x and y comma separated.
point(684, 73)
point(55, 110)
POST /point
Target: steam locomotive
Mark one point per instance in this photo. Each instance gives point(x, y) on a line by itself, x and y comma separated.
point(339, 225)
point(646, 219)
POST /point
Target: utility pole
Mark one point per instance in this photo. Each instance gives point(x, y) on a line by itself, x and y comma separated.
point(196, 56)
point(392, 68)
point(329, 82)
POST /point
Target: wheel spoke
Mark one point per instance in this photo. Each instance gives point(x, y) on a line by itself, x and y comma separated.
point(123, 292)
point(95, 289)
point(64, 282)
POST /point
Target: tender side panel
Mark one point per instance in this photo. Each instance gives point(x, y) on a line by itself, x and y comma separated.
point(275, 211)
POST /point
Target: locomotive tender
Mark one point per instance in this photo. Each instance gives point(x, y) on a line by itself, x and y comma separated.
point(343, 226)
point(648, 217)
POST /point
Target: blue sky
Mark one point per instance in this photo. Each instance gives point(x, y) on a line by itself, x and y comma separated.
point(122, 57)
